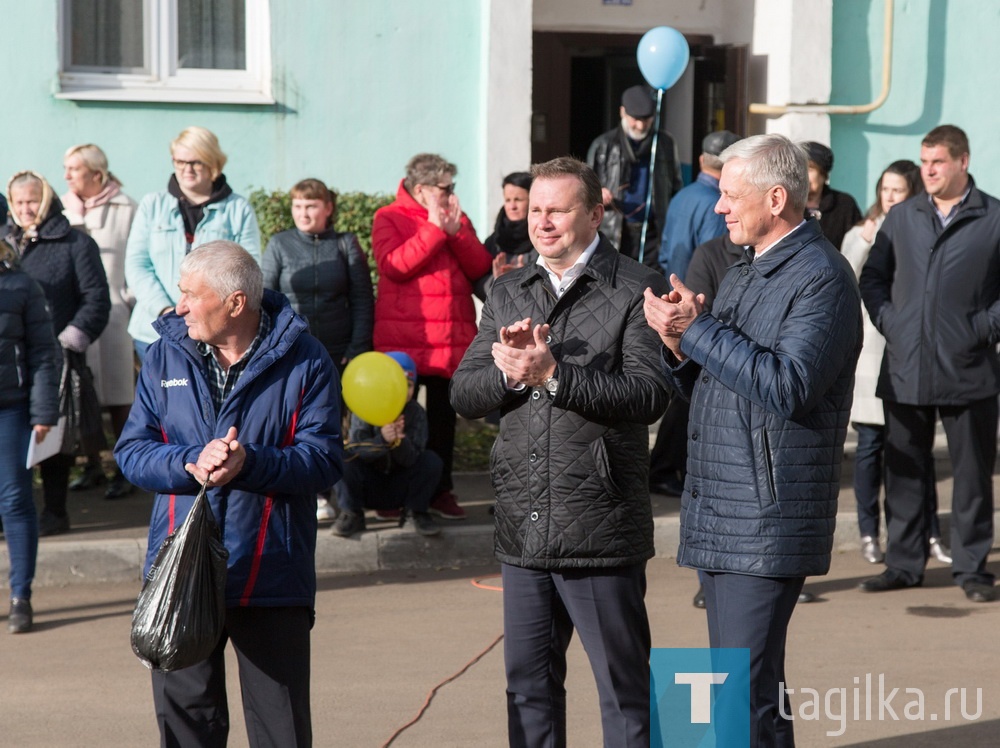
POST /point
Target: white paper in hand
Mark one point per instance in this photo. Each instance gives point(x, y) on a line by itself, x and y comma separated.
point(50, 445)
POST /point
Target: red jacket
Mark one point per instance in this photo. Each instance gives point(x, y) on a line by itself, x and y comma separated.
point(424, 305)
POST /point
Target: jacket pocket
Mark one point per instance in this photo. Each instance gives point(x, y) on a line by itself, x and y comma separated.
point(766, 493)
point(602, 464)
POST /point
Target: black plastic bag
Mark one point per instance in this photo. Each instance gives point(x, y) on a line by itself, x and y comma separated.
point(181, 610)
point(79, 408)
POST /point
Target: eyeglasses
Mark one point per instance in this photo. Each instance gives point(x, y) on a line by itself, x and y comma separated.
point(182, 165)
point(447, 189)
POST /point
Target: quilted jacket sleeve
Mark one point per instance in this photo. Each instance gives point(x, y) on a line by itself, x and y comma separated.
point(477, 386)
point(636, 391)
point(817, 334)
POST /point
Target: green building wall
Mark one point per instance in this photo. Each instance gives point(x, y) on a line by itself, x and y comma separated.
point(945, 70)
point(360, 86)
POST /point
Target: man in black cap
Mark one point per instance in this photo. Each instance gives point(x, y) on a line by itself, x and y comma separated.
point(836, 211)
point(621, 158)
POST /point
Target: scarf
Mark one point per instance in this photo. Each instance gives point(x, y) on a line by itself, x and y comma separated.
point(76, 204)
point(511, 236)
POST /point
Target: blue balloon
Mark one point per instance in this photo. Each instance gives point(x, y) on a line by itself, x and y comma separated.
point(663, 55)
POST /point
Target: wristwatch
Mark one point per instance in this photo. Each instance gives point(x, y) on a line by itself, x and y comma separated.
point(551, 385)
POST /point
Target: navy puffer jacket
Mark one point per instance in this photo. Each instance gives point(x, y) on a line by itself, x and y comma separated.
point(770, 373)
point(571, 472)
point(30, 356)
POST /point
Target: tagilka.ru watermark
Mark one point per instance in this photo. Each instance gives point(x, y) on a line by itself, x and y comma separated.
point(701, 697)
point(870, 699)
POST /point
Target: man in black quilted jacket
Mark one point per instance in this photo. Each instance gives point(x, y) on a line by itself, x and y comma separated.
point(564, 352)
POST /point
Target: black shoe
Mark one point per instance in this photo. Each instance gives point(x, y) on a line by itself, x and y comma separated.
point(424, 524)
point(977, 592)
point(119, 488)
point(806, 597)
point(699, 598)
point(886, 581)
point(348, 524)
point(50, 524)
point(91, 477)
point(20, 619)
point(670, 486)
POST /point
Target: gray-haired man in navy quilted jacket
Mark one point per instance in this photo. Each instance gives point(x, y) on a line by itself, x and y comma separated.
point(770, 374)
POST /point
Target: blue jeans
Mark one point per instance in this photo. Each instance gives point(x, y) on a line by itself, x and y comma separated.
point(17, 507)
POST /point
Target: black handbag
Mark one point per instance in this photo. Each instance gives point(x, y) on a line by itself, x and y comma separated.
point(80, 409)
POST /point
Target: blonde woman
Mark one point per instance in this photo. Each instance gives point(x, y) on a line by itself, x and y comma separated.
point(198, 206)
point(96, 206)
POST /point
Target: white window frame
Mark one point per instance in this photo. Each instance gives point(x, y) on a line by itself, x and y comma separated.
point(162, 80)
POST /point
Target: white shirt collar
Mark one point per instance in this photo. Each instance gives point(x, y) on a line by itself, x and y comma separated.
point(779, 239)
point(562, 285)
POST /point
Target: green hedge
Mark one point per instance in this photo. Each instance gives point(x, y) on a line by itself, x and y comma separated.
point(355, 211)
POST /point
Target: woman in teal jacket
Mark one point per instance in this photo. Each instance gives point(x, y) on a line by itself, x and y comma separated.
point(198, 206)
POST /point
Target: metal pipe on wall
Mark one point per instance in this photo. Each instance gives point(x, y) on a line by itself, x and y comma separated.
point(777, 109)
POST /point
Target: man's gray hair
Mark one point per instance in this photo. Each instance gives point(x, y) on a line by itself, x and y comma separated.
point(226, 267)
point(771, 160)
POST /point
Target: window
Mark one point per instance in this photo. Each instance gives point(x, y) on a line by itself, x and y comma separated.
point(213, 51)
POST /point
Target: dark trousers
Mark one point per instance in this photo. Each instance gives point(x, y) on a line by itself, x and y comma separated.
point(972, 433)
point(411, 487)
point(608, 610)
point(55, 483)
point(632, 242)
point(869, 476)
point(440, 426)
point(272, 649)
point(669, 455)
point(753, 613)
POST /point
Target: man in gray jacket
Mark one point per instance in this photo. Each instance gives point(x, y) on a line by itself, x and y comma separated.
point(564, 353)
point(932, 288)
point(770, 376)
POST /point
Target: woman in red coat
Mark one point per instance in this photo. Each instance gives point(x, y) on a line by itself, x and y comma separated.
point(428, 258)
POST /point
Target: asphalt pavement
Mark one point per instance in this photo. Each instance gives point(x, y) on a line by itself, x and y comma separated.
point(398, 614)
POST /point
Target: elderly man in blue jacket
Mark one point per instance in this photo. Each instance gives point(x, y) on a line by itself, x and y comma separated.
point(238, 394)
point(770, 374)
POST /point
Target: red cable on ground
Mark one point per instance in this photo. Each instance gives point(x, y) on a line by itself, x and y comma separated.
point(478, 583)
point(433, 691)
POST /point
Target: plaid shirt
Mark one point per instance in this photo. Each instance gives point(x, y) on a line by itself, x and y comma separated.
point(222, 382)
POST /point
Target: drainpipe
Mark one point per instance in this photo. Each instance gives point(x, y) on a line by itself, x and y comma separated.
point(778, 109)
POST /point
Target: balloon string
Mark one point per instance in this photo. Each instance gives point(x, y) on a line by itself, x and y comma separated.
point(652, 171)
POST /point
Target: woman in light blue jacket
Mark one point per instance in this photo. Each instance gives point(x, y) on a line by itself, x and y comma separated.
point(198, 206)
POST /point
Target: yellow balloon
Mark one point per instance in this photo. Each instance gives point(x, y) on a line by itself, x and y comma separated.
point(375, 388)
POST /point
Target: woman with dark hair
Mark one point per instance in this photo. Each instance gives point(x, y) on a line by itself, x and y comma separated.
point(509, 244)
point(900, 181)
point(67, 265)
